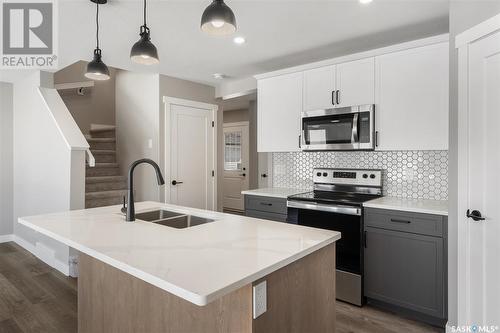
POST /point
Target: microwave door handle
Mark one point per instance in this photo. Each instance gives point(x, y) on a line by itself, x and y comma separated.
point(355, 136)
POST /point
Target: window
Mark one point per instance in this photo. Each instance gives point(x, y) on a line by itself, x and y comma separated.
point(232, 151)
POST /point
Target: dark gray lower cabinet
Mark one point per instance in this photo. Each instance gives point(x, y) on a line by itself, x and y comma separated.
point(269, 208)
point(406, 269)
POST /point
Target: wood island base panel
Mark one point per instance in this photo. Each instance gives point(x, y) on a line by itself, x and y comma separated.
point(300, 298)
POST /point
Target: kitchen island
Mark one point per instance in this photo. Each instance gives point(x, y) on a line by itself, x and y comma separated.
point(146, 277)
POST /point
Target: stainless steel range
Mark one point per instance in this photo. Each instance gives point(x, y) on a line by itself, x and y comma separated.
point(337, 204)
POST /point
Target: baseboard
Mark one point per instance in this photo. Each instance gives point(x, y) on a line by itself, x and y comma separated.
point(6, 238)
point(43, 253)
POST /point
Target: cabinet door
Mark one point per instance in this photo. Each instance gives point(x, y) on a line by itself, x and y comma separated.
point(319, 85)
point(355, 82)
point(278, 113)
point(411, 95)
point(406, 270)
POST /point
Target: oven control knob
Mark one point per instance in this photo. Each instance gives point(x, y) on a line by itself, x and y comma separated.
point(325, 174)
point(365, 175)
point(318, 174)
point(372, 176)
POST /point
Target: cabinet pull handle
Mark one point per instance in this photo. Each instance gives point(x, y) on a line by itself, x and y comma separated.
point(266, 204)
point(400, 221)
point(300, 139)
point(338, 97)
point(333, 97)
point(376, 138)
point(365, 242)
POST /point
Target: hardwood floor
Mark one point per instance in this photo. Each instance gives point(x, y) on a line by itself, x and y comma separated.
point(36, 298)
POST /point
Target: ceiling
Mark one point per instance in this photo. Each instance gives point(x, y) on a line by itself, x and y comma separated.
point(279, 33)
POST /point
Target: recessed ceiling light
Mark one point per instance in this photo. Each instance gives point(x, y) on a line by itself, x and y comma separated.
point(365, 1)
point(219, 76)
point(239, 40)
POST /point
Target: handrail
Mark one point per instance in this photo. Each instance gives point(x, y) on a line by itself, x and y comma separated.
point(89, 157)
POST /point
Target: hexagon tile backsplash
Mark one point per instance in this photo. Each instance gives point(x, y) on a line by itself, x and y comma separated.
point(406, 174)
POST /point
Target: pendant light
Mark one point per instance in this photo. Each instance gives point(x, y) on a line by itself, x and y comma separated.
point(218, 19)
point(96, 69)
point(144, 52)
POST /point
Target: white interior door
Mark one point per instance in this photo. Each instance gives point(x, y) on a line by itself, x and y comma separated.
point(479, 167)
point(236, 166)
point(190, 156)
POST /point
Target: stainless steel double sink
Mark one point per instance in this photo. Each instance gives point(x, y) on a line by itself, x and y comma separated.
point(172, 219)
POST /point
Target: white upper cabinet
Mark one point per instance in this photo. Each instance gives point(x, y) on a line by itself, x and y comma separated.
point(319, 88)
point(355, 83)
point(411, 98)
point(279, 105)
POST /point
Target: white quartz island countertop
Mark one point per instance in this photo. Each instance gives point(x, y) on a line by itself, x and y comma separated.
point(276, 192)
point(198, 264)
point(436, 207)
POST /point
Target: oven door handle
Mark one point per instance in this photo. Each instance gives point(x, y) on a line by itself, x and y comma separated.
point(355, 135)
point(339, 209)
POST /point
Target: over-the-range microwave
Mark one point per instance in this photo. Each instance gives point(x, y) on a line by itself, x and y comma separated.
point(349, 128)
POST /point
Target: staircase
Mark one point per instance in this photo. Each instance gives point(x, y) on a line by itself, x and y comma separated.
point(104, 186)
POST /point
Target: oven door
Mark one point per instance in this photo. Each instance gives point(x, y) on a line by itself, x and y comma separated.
point(349, 251)
point(349, 128)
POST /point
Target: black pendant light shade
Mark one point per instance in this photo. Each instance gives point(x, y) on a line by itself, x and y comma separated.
point(144, 52)
point(96, 69)
point(218, 19)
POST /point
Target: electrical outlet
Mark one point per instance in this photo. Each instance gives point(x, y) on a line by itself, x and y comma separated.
point(259, 299)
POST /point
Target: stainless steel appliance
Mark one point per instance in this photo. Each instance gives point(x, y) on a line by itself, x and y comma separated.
point(336, 203)
point(349, 128)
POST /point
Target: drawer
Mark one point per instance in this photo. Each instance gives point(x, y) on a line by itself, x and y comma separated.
point(417, 223)
point(266, 215)
point(266, 204)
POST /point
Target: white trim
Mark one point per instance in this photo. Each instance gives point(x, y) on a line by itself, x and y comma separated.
point(238, 123)
point(361, 55)
point(239, 94)
point(46, 257)
point(478, 31)
point(168, 101)
point(74, 85)
point(6, 238)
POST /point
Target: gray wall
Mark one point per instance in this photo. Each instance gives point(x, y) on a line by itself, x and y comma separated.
point(6, 156)
point(97, 106)
point(463, 15)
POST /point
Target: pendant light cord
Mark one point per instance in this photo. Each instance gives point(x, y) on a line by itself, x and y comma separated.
point(144, 13)
point(97, 24)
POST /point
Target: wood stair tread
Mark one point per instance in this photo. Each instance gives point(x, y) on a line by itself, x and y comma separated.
point(101, 139)
point(105, 179)
point(102, 151)
point(105, 194)
point(104, 165)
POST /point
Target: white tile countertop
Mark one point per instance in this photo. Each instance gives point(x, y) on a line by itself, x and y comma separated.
point(437, 207)
point(276, 192)
point(198, 264)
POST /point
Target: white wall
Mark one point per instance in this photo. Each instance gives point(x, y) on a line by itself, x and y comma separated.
point(138, 125)
point(6, 146)
point(43, 158)
point(463, 15)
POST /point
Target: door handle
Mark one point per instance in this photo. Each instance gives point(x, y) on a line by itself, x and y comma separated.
point(175, 182)
point(475, 215)
point(264, 175)
point(243, 174)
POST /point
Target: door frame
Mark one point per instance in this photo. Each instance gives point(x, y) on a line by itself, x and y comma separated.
point(462, 42)
point(233, 124)
point(168, 102)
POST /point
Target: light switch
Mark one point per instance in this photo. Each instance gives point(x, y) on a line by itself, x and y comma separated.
point(259, 299)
